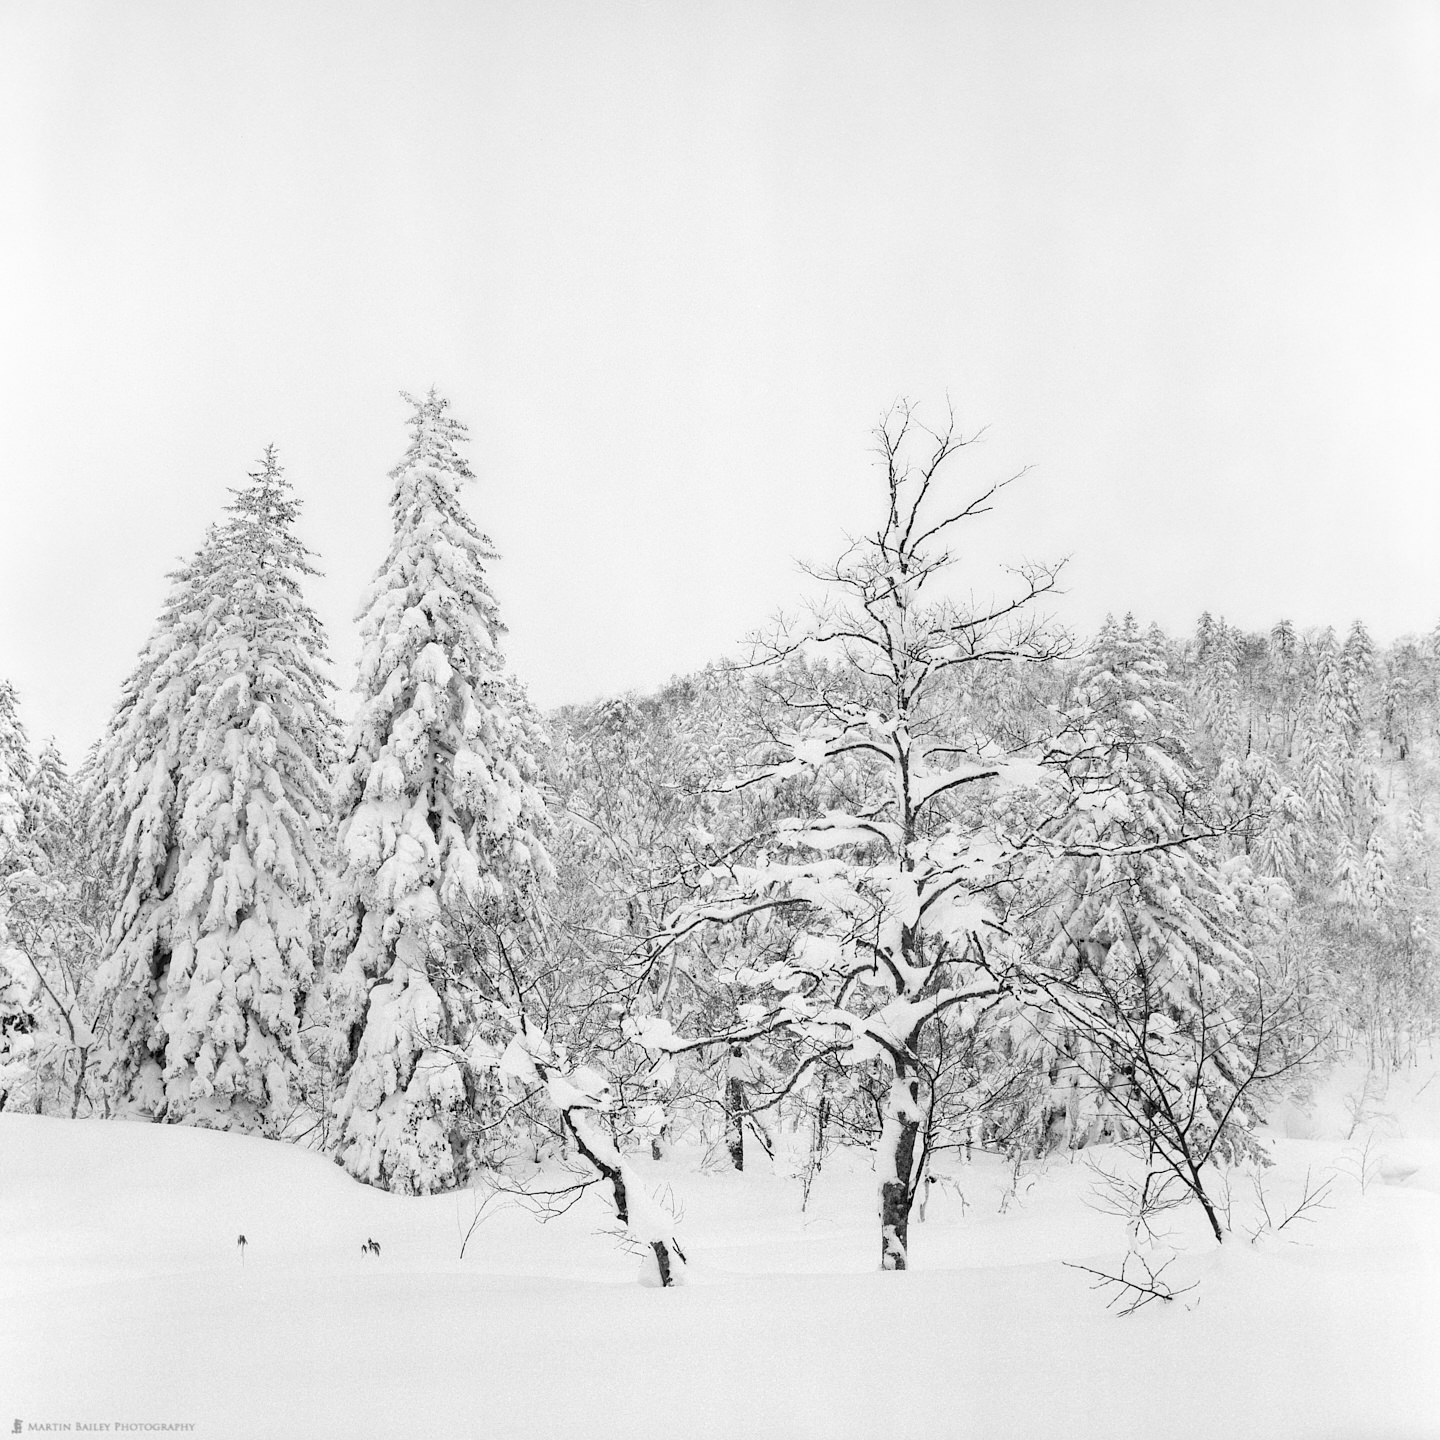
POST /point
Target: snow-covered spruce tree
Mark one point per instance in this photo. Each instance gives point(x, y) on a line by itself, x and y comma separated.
point(893, 871)
point(1403, 695)
point(1216, 695)
point(1357, 668)
point(1158, 1004)
point(257, 741)
point(1325, 759)
point(51, 806)
point(14, 745)
point(1286, 679)
point(440, 821)
point(137, 790)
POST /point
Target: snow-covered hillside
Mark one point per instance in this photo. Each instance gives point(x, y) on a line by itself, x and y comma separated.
point(126, 1300)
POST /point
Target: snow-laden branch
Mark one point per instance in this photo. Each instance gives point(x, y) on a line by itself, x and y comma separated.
point(581, 1096)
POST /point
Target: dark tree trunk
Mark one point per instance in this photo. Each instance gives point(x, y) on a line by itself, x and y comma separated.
point(735, 1110)
point(897, 1164)
point(611, 1172)
point(605, 1158)
point(1198, 1186)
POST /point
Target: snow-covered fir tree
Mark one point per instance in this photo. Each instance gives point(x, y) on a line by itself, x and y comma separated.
point(1357, 666)
point(257, 742)
point(1286, 678)
point(208, 796)
point(1324, 756)
point(15, 767)
point(51, 806)
point(138, 798)
point(441, 831)
point(1216, 699)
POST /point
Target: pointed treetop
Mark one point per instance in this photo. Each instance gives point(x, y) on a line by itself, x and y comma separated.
point(1359, 649)
point(268, 498)
point(259, 532)
point(1204, 634)
point(14, 742)
point(1126, 683)
point(435, 437)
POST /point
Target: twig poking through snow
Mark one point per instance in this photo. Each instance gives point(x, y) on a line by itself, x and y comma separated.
point(1138, 1292)
point(1314, 1197)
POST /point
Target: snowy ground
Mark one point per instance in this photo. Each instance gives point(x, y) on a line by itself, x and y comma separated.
point(124, 1300)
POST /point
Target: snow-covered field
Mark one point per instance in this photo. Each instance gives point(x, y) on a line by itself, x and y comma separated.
point(125, 1299)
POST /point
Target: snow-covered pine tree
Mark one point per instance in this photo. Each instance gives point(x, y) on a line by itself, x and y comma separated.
point(1357, 668)
point(1324, 757)
point(1282, 848)
point(258, 741)
point(1216, 700)
point(440, 822)
point(15, 767)
point(14, 744)
point(1376, 875)
point(138, 798)
point(51, 805)
point(1285, 673)
point(1404, 689)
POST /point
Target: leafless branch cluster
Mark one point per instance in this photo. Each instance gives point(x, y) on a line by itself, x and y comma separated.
point(1136, 1286)
point(1314, 1196)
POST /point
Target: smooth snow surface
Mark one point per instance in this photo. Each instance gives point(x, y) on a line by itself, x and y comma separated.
point(125, 1298)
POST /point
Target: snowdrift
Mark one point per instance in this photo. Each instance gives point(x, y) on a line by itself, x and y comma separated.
point(127, 1301)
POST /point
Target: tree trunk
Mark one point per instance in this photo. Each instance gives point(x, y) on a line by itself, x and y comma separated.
point(79, 1082)
point(735, 1109)
point(896, 1165)
point(600, 1151)
point(822, 1119)
point(1197, 1185)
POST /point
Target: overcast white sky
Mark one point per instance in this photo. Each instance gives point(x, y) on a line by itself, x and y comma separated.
point(670, 261)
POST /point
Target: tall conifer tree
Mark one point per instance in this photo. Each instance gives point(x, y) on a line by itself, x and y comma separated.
point(440, 821)
point(258, 741)
point(210, 800)
point(138, 791)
